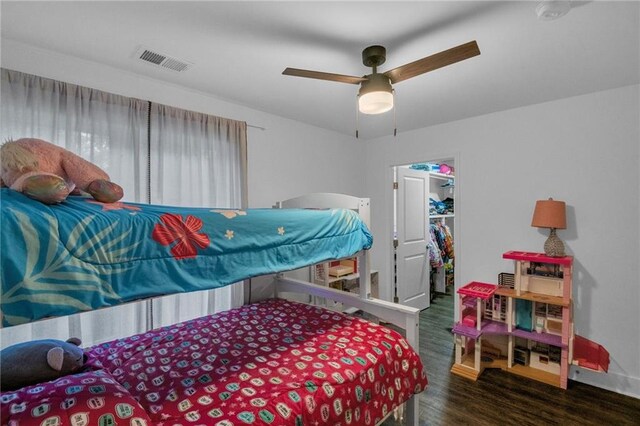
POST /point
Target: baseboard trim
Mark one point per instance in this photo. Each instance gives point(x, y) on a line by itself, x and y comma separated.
point(614, 382)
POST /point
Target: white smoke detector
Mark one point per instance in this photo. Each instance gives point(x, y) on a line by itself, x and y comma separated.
point(162, 60)
point(552, 9)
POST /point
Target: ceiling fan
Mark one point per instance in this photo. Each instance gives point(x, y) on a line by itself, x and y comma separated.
point(376, 93)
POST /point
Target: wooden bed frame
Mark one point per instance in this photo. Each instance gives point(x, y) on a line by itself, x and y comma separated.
point(401, 316)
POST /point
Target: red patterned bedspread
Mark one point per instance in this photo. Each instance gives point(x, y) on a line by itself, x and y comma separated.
point(271, 363)
point(85, 399)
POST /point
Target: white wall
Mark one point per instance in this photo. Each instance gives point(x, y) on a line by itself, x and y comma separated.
point(583, 150)
point(287, 159)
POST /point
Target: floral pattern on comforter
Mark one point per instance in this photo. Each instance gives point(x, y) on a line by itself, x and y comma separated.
point(270, 363)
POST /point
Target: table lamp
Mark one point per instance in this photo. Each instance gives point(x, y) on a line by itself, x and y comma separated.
point(551, 214)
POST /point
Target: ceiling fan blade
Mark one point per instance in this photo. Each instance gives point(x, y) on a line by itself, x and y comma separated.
point(433, 62)
point(323, 76)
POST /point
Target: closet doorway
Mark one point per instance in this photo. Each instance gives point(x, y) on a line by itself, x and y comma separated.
point(424, 223)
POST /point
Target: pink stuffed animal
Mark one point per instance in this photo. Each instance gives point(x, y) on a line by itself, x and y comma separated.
point(48, 173)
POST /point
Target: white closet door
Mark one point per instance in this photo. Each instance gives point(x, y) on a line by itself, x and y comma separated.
point(411, 254)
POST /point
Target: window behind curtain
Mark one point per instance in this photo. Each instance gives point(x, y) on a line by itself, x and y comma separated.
point(195, 160)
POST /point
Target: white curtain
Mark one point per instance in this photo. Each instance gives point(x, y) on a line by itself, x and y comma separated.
point(201, 163)
point(106, 129)
point(111, 131)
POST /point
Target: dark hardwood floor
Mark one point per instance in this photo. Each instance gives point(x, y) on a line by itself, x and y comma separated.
point(501, 398)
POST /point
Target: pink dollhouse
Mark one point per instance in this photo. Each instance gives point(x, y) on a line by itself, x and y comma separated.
point(525, 325)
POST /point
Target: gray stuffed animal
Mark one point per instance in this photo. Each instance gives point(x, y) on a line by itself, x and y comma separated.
point(38, 361)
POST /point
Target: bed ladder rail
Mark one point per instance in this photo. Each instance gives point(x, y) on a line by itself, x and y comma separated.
point(402, 316)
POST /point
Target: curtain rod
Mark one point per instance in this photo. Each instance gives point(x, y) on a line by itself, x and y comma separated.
point(256, 127)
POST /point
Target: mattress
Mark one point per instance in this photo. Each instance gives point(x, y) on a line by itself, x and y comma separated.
point(82, 254)
point(272, 363)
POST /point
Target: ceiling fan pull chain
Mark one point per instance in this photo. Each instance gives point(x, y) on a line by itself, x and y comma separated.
point(357, 116)
point(395, 122)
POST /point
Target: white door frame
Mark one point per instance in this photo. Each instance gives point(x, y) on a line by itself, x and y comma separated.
point(456, 220)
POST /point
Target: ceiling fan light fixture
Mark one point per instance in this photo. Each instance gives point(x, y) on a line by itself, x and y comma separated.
point(375, 95)
point(375, 102)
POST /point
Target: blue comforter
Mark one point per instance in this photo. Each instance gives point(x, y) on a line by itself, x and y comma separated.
point(82, 254)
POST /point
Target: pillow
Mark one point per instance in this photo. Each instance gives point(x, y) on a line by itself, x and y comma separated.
point(91, 398)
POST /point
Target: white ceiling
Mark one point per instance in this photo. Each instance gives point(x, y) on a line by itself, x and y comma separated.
point(241, 48)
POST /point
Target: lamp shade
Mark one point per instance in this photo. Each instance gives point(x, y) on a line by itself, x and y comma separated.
point(375, 102)
point(550, 214)
point(375, 95)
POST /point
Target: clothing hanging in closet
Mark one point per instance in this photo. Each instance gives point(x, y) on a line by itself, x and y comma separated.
point(440, 245)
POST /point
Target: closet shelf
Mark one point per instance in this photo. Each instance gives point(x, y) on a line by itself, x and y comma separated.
point(441, 216)
point(441, 176)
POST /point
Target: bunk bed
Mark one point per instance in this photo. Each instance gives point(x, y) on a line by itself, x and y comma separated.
point(271, 362)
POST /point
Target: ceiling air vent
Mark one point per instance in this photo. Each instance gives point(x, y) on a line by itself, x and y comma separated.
point(160, 59)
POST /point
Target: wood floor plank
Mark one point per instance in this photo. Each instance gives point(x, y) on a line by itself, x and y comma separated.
point(501, 398)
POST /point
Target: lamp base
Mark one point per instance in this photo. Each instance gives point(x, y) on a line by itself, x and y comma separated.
point(553, 247)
